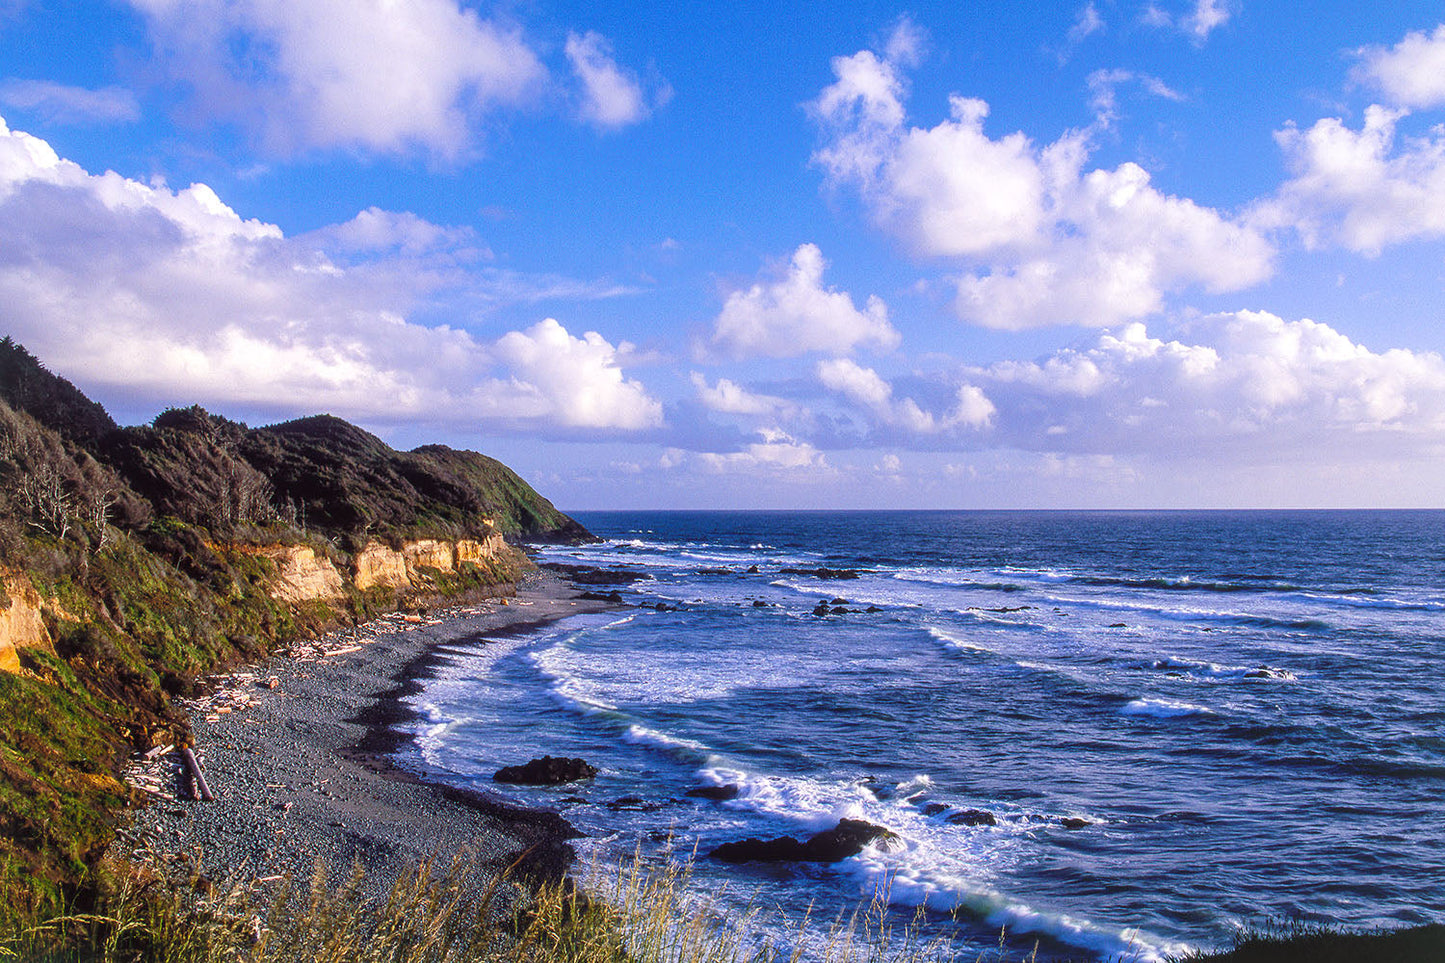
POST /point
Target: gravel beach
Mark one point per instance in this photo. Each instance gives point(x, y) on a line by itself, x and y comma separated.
point(297, 752)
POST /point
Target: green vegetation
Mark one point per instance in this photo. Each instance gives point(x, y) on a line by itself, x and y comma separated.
point(143, 546)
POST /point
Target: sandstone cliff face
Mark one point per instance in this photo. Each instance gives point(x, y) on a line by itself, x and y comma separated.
point(377, 565)
point(301, 576)
point(21, 624)
point(380, 565)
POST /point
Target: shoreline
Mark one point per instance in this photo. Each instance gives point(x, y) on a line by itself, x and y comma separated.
point(300, 753)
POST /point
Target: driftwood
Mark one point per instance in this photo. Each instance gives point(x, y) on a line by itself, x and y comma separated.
point(194, 774)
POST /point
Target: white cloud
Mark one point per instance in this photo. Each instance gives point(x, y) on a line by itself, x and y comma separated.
point(728, 397)
point(1088, 23)
point(1202, 19)
point(1253, 386)
point(1045, 242)
point(611, 96)
point(1104, 97)
point(62, 104)
point(170, 297)
point(866, 388)
point(375, 230)
point(775, 451)
point(570, 381)
point(1411, 73)
point(906, 42)
point(1357, 188)
point(381, 75)
point(797, 314)
point(1206, 17)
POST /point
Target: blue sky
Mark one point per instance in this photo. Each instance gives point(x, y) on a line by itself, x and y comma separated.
point(1187, 253)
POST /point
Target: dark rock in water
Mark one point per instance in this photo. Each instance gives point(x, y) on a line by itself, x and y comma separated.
point(590, 575)
point(784, 849)
point(821, 609)
point(839, 610)
point(1265, 672)
point(714, 571)
point(572, 800)
point(1074, 822)
point(1183, 816)
point(831, 845)
point(872, 608)
point(664, 607)
point(973, 817)
point(715, 793)
point(546, 771)
point(845, 839)
point(752, 570)
point(1118, 625)
point(759, 604)
point(633, 804)
point(825, 573)
point(933, 809)
point(839, 602)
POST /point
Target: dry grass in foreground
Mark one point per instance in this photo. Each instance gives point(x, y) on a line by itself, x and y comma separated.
point(467, 914)
point(638, 915)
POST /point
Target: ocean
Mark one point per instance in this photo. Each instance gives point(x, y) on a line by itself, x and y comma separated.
point(1180, 723)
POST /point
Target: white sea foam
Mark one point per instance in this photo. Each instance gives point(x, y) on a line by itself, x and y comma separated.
point(954, 642)
point(1211, 670)
point(1164, 709)
point(688, 750)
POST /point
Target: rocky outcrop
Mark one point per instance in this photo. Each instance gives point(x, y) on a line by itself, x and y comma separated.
point(21, 624)
point(831, 845)
point(546, 771)
point(300, 575)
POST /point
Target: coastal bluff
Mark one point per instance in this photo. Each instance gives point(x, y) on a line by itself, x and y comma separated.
point(135, 560)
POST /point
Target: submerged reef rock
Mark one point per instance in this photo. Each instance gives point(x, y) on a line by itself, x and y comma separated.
point(831, 845)
point(973, 817)
point(546, 771)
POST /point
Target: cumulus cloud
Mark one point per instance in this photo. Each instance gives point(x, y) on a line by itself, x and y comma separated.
point(774, 451)
point(796, 314)
point(1411, 73)
point(388, 76)
point(731, 398)
point(63, 104)
point(865, 387)
point(1251, 383)
point(159, 294)
point(611, 97)
point(571, 381)
point(1359, 188)
point(1043, 241)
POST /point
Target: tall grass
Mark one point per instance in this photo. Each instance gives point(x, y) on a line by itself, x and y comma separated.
point(455, 914)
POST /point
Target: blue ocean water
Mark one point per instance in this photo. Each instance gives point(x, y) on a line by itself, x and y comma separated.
point(1243, 714)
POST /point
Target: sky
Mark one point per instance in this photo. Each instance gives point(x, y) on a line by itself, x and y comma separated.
point(1111, 254)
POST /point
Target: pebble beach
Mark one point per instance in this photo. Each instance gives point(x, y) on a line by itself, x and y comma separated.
point(297, 752)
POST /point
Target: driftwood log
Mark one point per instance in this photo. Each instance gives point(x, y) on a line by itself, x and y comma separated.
point(194, 775)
